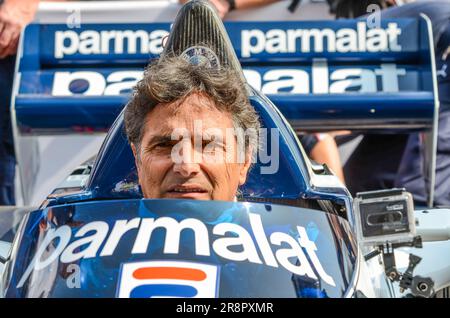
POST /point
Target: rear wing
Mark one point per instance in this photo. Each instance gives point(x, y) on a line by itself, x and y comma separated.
point(322, 75)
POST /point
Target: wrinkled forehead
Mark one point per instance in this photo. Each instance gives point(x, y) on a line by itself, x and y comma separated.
point(195, 112)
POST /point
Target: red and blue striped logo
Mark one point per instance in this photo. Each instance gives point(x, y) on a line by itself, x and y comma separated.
point(168, 279)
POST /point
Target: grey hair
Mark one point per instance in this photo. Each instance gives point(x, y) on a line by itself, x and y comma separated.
point(169, 79)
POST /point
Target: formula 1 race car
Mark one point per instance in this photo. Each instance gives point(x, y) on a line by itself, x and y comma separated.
point(295, 232)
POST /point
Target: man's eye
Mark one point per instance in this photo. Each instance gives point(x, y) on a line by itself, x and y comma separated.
point(165, 144)
point(210, 147)
point(159, 147)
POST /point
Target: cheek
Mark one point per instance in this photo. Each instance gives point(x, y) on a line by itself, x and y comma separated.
point(234, 173)
point(225, 174)
point(153, 170)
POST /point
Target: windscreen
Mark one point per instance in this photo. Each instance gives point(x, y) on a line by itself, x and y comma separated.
point(181, 248)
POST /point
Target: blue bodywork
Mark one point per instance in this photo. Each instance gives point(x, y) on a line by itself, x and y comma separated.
point(315, 87)
point(102, 274)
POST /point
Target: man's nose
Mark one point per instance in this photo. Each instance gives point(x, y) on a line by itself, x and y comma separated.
point(186, 169)
point(189, 164)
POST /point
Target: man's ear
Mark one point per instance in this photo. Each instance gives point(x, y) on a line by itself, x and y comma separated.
point(136, 156)
point(245, 167)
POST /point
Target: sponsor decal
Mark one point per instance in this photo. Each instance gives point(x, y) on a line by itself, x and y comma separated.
point(343, 40)
point(251, 41)
point(168, 279)
point(201, 55)
point(318, 80)
point(92, 42)
point(295, 253)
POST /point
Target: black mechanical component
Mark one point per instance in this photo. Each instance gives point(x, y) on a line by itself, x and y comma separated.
point(422, 287)
point(372, 254)
point(416, 242)
point(419, 286)
point(390, 268)
point(407, 277)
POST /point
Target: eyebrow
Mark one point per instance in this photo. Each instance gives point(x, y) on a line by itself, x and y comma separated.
point(156, 139)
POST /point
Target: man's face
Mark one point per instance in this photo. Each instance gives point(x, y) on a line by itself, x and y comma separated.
point(180, 156)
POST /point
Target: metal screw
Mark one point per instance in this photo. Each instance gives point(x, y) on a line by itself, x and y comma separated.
point(423, 286)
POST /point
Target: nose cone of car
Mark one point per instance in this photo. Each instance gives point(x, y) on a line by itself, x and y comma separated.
point(199, 35)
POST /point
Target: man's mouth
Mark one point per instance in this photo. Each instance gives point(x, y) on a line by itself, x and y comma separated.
point(187, 191)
